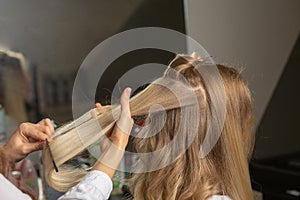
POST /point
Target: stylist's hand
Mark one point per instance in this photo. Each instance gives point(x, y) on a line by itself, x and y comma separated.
point(26, 139)
point(115, 149)
point(121, 131)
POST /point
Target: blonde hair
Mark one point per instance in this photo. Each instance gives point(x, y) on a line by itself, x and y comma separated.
point(223, 171)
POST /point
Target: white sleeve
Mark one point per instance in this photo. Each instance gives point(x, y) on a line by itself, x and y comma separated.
point(95, 185)
point(9, 191)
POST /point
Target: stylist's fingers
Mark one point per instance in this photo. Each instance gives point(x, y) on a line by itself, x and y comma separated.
point(102, 109)
point(125, 121)
point(99, 106)
point(99, 109)
point(34, 131)
point(48, 126)
point(34, 146)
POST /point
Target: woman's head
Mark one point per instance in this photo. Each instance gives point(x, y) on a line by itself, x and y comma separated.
point(224, 169)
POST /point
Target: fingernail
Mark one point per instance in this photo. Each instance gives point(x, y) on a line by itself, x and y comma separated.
point(128, 92)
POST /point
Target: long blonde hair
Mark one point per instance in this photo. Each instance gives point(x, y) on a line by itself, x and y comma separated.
point(223, 171)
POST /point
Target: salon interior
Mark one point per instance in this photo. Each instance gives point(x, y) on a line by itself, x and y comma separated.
point(44, 45)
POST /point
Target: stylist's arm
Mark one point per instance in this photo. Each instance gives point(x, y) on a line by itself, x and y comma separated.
point(97, 184)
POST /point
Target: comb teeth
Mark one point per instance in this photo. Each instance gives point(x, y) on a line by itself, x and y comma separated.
point(50, 152)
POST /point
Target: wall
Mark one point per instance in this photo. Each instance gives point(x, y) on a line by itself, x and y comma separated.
point(57, 36)
point(257, 35)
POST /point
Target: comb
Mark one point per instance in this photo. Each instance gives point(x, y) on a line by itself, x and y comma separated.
point(51, 156)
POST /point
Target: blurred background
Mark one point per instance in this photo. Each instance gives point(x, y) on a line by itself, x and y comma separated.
point(43, 43)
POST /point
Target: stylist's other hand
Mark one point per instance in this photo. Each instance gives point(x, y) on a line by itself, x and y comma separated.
point(120, 134)
point(27, 138)
point(118, 139)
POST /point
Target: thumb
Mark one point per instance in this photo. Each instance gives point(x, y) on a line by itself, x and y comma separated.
point(125, 108)
point(125, 121)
